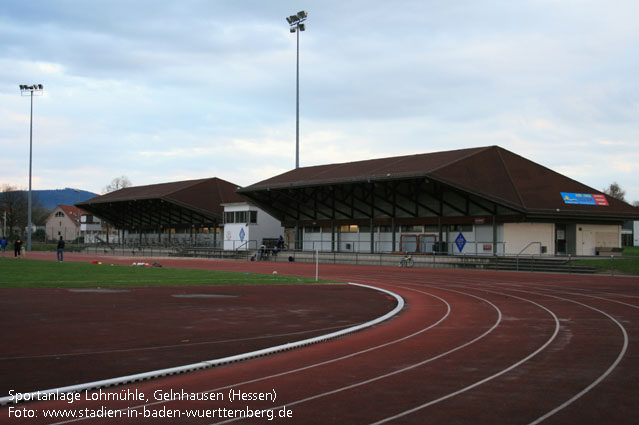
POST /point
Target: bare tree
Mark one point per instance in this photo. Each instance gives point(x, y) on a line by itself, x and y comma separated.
point(615, 191)
point(117, 184)
point(15, 203)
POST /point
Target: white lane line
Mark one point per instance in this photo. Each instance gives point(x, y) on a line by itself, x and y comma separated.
point(36, 395)
point(489, 378)
point(604, 375)
point(301, 369)
point(579, 294)
point(397, 371)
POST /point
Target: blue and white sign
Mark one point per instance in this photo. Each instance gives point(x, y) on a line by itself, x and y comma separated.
point(578, 198)
point(242, 234)
point(460, 242)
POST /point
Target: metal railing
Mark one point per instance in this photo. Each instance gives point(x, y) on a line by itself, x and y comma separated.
point(532, 255)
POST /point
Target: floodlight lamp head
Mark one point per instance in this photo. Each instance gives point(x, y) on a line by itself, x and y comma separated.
point(293, 29)
point(40, 87)
point(302, 27)
point(292, 19)
point(302, 14)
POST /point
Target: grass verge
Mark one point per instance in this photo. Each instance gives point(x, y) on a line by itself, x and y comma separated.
point(25, 273)
point(628, 263)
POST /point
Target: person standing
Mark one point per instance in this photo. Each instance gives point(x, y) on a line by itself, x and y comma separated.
point(60, 250)
point(3, 245)
point(17, 248)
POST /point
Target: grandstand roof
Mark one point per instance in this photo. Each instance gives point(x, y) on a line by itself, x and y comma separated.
point(491, 173)
point(187, 202)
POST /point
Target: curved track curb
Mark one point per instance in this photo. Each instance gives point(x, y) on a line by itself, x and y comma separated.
point(139, 377)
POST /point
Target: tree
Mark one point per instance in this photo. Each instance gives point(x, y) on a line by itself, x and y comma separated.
point(117, 184)
point(40, 215)
point(15, 203)
point(615, 191)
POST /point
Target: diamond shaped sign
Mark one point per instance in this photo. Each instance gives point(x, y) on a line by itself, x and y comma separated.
point(460, 242)
point(242, 234)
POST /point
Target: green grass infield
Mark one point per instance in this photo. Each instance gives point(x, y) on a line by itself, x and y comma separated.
point(24, 273)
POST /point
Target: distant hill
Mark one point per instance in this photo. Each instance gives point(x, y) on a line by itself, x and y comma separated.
point(50, 199)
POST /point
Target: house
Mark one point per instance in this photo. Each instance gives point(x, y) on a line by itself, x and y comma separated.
point(65, 221)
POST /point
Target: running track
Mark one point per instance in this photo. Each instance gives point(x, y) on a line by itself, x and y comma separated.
point(469, 348)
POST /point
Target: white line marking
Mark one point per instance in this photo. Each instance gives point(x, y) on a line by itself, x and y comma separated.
point(35, 395)
point(398, 371)
point(489, 378)
point(301, 369)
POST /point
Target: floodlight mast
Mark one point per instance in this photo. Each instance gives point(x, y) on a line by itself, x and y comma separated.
point(30, 90)
point(297, 24)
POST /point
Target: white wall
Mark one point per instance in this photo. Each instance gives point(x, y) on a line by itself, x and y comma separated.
point(635, 233)
point(512, 238)
point(253, 233)
point(518, 236)
point(592, 236)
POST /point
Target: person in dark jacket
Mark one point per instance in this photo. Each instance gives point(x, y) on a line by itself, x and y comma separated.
point(60, 250)
point(17, 248)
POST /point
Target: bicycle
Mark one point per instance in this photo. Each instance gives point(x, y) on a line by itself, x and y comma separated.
point(407, 261)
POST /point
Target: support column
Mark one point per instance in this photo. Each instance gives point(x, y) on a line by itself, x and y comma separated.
point(332, 236)
point(440, 242)
point(393, 235)
point(372, 237)
point(494, 236)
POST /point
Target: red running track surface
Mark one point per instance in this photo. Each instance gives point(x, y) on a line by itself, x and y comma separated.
point(469, 348)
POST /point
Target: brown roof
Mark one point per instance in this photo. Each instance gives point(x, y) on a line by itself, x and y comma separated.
point(204, 194)
point(72, 212)
point(179, 203)
point(490, 172)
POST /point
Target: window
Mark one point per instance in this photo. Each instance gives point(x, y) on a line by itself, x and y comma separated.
point(59, 214)
point(349, 228)
point(312, 229)
point(240, 217)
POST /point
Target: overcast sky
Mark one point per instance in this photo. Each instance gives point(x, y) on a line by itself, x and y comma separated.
point(162, 91)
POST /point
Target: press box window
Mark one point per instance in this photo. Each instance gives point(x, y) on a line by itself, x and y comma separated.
point(240, 217)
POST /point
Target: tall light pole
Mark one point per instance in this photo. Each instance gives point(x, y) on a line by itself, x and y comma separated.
point(297, 24)
point(30, 90)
